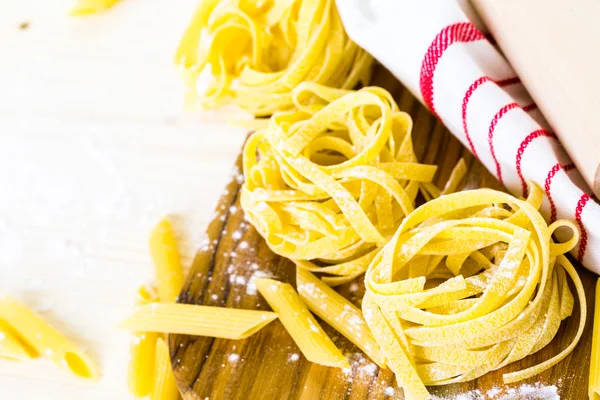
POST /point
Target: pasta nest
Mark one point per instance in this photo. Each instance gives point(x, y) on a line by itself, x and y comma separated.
point(255, 52)
point(469, 283)
point(332, 181)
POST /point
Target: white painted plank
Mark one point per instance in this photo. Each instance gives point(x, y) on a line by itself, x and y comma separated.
point(95, 147)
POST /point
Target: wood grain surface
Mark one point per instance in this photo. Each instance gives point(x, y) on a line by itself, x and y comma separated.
point(264, 370)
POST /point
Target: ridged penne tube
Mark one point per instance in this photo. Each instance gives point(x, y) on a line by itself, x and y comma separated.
point(188, 319)
point(169, 273)
point(312, 340)
point(45, 340)
point(338, 312)
point(327, 186)
point(255, 53)
point(595, 361)
point(11, 347)
point(165, 387)
point(496, 293)
point(142, 363)
point(143, 351)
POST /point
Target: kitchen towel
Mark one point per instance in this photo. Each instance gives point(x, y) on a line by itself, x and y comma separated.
point(439, 50)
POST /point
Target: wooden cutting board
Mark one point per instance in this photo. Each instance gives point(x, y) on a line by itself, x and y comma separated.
point(262, 366)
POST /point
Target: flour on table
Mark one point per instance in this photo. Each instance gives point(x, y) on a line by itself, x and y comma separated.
point(251, 288)
point(536, 391)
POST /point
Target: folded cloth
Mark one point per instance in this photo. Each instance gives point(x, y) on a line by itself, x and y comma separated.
point(439, 51)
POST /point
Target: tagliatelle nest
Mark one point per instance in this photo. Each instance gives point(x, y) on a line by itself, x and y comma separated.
point(466, 286)
point(332, 181)
point(255, 52)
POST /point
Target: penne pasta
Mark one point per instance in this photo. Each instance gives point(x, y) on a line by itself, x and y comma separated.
point(594, 391)
point(45, 340)
point(142, 363)
point(11, 347)
point(338, 312)
point(189, 319)
point(165, 387)
point(143, 351)
point(169, 273)
point(314, 343)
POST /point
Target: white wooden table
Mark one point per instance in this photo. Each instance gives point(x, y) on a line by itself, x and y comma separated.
point(95, 147)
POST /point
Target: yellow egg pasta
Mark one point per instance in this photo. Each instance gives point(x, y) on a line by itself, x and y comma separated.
point(338, 312)
point(165, 387)
point(189, 319)
point(88, 7)
point(169, 273)
point(328, 184)
point(143, 351)
point(45, 340)
point(312, 340)
point(11, 347)
point(253, 53)
point(142, 363)
point(595, 361)
point(470, 282)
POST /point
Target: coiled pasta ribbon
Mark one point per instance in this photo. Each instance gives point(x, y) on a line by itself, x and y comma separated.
point(332, 181)
point(257, 51)
point(469, 283)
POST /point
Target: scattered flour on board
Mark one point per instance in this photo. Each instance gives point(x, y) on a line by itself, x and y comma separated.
point(251, 288)
point(526, 391)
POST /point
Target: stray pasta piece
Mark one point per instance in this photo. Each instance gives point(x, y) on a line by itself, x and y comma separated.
point(470, 282)
point(338, 312)
point(11, 347)
point(253, 54)
point(169, 272)
point(143, 351)
point(45, 340)
point(312, 340)
point(189, 319)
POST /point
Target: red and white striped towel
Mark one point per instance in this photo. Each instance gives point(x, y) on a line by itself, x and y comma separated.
point(438, 52)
